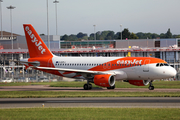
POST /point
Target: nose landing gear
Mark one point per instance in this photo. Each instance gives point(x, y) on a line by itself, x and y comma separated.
point(151, 87)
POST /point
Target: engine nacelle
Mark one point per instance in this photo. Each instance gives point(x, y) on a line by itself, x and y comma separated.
point(139, 82)
point(104, 80)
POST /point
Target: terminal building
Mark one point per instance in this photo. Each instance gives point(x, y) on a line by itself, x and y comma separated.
point(166, 49)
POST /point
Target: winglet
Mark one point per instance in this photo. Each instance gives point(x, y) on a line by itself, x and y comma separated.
point(36, 46)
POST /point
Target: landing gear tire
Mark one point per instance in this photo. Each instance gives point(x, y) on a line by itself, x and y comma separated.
point(112, 87)
point(90, 86)
point(87, 86)
point(151, 87)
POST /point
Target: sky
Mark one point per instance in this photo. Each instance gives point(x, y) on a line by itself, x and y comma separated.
point(75, 16)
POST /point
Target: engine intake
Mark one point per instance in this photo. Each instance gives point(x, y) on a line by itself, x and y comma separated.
point(104, 80)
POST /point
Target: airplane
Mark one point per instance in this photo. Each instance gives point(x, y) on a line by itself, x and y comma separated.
point(102, 71)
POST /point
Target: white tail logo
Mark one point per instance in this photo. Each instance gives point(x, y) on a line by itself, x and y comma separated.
point(34, 40)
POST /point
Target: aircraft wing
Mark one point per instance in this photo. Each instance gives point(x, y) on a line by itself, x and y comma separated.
point(75, 70)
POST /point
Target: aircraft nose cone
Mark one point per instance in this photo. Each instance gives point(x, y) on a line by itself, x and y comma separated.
point(172, 72)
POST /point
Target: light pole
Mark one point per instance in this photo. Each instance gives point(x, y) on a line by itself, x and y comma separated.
point(1, 20)
point(48, 26)
point(11, 7)
point(94, 32)
point(121, 31)
point(56, 15)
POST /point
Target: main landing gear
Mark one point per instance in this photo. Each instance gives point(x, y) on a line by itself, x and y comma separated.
point(151, 87)
point(112, 87)
point(87, 86)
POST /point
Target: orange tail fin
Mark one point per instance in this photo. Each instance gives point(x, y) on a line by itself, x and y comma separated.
point(36, 46)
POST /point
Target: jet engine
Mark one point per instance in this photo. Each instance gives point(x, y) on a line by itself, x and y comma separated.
point(104, 80)
point(139, 82)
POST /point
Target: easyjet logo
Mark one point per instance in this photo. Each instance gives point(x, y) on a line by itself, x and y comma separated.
point(129, 61)
point(35, 41)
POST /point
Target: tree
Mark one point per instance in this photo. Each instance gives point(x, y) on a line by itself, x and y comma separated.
point(141, 35)
point(104, 34)
point(178, 36)
point(133, 36)
point(162, 35)
point(110, 35)
point(72, 37)
point(125, 33)
point(169, 34)
point(117, 36)
point(81, 35)
point(65, 37)
point(91, 37)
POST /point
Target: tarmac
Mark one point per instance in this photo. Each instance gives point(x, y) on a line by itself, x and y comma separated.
point(80, 89)
point(107, 102)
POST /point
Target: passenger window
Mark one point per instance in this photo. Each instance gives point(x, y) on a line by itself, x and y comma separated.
point(161, 64)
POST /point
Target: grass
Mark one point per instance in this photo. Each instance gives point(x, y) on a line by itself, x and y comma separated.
point(26, 84)
point(63, 94)
point(119, 84)
point(90, 114)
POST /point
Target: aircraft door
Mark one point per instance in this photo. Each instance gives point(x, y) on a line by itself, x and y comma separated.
point(146, 65)
point(108, 65)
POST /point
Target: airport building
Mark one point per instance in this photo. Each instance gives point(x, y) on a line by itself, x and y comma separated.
point(166, 49)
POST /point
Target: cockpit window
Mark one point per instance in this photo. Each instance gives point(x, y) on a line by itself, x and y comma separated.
point(157, 65)
point(161, 64)
point(166, 64)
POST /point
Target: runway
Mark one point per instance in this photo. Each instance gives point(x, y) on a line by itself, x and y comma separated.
point(80, 89)
point(116, 102)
